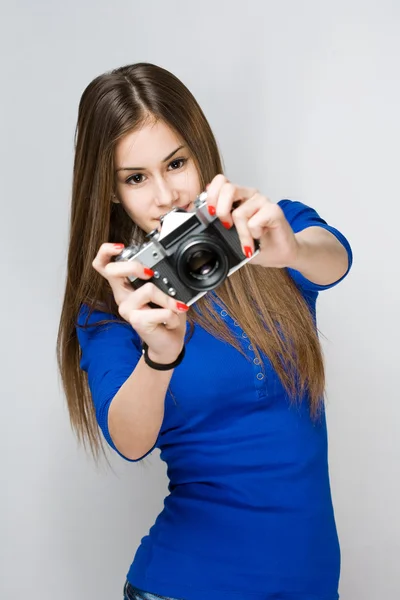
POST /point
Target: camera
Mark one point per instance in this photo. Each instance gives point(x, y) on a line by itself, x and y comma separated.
point(191, 254)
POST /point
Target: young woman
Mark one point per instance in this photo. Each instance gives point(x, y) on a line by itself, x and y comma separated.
point(230, 391)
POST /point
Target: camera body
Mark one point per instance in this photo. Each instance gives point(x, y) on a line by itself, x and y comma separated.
point(192, 253)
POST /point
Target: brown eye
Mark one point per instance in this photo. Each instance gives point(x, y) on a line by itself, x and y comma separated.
point(177, 163)
point(135, 179)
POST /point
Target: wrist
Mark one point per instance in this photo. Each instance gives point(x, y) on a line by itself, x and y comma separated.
point(161, 366)
point(163, 358)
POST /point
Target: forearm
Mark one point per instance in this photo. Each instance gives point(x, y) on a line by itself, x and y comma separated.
point(137, 410)
point(321, 258)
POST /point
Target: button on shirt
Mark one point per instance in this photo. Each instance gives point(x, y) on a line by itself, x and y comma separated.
point(249, 514)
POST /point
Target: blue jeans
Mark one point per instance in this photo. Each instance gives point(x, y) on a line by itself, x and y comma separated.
point(133, 593)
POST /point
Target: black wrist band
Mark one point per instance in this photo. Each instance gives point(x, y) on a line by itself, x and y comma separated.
point(159, 366)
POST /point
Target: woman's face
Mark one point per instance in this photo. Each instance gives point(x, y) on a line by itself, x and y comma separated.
point(154, 172)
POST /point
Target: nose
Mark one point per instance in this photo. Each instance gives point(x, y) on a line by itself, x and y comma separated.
point(165, 194)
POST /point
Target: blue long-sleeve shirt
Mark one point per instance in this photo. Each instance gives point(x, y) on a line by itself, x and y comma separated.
point(249, 515)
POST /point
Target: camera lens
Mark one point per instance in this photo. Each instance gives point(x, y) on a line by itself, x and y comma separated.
point(202, 263)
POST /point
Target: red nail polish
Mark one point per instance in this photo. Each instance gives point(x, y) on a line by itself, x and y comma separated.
point(148, 272)
point(181, 306)
point(119, 246)
point(226, 224)
point(248, 251)
point(211, 210)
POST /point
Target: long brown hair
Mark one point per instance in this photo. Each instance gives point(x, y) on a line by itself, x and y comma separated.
point(265, 301)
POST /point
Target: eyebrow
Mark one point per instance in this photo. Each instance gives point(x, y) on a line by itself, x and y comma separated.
point(144, 168)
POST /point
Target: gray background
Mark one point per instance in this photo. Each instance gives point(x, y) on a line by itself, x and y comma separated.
point(304, 99)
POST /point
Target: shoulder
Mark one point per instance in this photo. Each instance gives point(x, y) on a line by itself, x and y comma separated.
point(300, 216)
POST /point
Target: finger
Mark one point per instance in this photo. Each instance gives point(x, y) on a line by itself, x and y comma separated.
point(269, 216)
point(145, 321)
point(117, 273)
point(225, 200)
point(129, 268)
point(213, 190)
point(227, 196)
point(241, 216)
point(151, 293)
point(104, 255)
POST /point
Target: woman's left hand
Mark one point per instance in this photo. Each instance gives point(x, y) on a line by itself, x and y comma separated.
point(255, 217)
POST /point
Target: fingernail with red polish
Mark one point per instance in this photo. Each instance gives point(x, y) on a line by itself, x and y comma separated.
point(226, 224)
point(148, 272)
point(119, 246)
point(181, 306)
point(211, 210)
point(248, 251)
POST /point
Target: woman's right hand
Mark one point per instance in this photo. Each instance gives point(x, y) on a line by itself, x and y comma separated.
point(162, 329)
